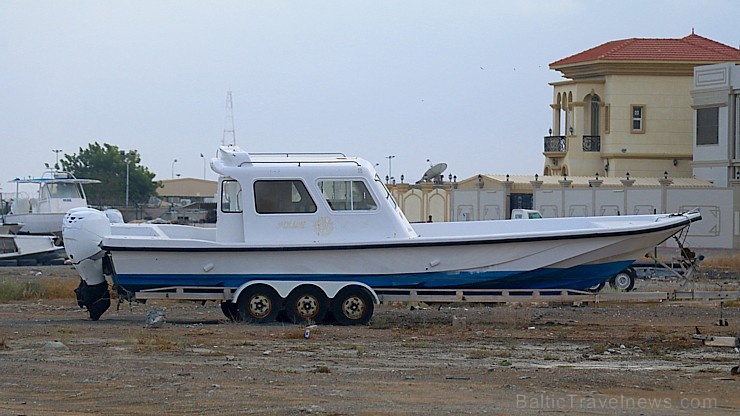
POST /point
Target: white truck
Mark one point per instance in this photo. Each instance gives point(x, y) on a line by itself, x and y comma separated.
point(525, 214)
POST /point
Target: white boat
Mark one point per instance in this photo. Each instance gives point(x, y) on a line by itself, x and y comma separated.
point(58, 192)
point(29, 250)
point(326, 219)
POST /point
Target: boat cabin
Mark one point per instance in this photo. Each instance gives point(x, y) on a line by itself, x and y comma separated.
point(58, 192)
point(299, 198)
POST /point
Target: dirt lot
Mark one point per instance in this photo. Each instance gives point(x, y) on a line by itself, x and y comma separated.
point(508, 359)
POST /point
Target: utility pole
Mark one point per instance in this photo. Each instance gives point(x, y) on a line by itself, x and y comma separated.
point(127, 159)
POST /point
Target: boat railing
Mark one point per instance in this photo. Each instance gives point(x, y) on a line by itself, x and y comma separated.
point(293, 154)
point(303, 161)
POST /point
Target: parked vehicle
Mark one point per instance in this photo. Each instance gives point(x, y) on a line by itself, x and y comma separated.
point(525, 214)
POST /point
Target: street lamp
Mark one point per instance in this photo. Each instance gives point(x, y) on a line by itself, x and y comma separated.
point(173, 168)
point(390, 157)
point(57, 151)
point(204, 166)
point(127, 158)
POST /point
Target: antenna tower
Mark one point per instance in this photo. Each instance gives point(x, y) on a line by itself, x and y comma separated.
point(229, 132)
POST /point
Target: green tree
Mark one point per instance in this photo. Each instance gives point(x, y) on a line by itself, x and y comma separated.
point(107, 164)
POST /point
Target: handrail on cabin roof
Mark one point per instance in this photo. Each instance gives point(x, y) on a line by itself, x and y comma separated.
point(289, 154)
point(267, 162)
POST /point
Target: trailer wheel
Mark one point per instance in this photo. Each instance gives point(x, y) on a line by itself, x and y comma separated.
point(306, 303)
point(596, 288)
point(231, 311)
point(259, 304)
point(624, 280)
point(353, 305)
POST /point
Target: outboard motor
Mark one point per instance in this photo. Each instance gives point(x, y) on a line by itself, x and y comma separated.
point(83, 230)
point(114, 216)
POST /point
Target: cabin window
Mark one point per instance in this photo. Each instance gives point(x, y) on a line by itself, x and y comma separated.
point(282, 197)
point(231, 195)
point(60, 190)
point(347, 195)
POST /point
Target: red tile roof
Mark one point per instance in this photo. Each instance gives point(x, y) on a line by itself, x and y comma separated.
point(692, 48)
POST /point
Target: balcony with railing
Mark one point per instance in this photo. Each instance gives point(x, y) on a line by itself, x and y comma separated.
point(555, 144)
point(591, 143)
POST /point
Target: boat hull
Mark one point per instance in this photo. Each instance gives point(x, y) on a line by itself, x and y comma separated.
point(38, 223)
point(527, 263)
point(39, 249)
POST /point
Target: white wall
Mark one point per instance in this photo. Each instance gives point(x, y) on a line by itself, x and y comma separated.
point(714, 231)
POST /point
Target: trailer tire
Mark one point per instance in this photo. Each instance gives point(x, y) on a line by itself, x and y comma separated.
point(306, 303)
point(596, 288)
point(259, 304)
point(231, 311)
point(353, 305)
point(624, 280)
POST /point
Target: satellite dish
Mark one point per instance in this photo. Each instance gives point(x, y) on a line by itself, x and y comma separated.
point(433, 173)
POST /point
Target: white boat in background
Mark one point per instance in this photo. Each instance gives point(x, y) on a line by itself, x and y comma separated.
point(29, 250)
point(58, 192)
point(310, 227)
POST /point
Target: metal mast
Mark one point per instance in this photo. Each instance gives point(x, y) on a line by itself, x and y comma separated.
point(229, 132)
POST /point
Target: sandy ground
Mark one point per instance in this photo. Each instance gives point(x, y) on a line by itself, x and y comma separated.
point(509, 359)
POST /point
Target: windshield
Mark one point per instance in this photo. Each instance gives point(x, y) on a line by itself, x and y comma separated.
point(60, 190)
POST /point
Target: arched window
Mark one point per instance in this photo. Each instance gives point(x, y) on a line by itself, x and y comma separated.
point(595, 112)
point(561, 114)
point(569, 112)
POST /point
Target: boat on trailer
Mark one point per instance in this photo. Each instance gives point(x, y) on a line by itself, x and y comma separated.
point(309, 234)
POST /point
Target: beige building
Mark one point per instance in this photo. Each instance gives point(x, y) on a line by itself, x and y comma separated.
point(186, 201)
point(423, 202)
point(626, 107)
point(188, 190)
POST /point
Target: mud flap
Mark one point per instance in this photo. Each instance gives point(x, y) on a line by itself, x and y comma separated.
point(95, 298)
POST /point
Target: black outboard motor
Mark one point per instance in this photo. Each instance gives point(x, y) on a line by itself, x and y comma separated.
point(95, 298)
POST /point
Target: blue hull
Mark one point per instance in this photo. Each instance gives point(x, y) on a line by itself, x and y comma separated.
point(579, 278)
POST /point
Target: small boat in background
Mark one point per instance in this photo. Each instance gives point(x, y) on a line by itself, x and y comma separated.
point(58, 192)
point(29, 250)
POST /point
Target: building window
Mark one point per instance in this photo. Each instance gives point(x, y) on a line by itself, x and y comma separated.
point(638, 118)
point(707, 126)
point(282, 197)
point(607, 118)
point(595, 113)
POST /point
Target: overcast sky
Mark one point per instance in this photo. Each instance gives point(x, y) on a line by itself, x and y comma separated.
point(461, 82)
